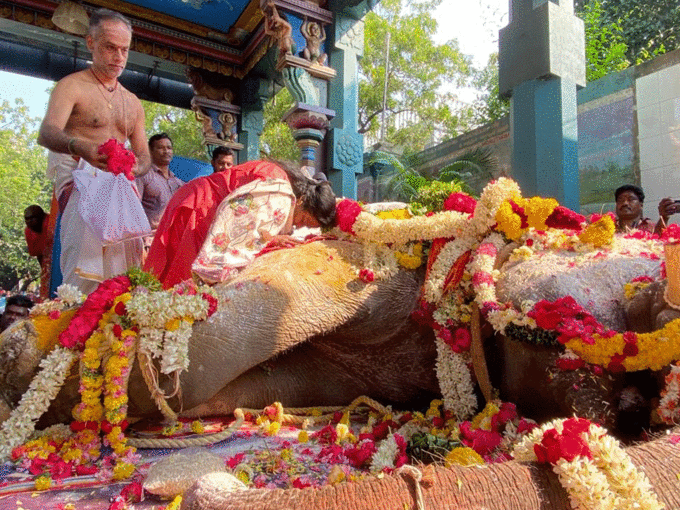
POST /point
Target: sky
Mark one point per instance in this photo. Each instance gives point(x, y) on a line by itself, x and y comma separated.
point(474, 23)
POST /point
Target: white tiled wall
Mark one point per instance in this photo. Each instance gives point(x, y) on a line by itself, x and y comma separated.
point(658, 112)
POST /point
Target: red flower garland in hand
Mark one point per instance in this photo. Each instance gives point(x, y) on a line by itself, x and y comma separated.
point(120, 160)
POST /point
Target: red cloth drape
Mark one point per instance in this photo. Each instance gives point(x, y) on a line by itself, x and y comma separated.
point(189, 214)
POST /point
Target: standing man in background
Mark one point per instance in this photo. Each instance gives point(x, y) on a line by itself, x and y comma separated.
point(159, 183)
point(222, 159)
point(86, 109)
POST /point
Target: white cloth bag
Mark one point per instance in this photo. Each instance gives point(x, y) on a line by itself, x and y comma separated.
point(109, 205)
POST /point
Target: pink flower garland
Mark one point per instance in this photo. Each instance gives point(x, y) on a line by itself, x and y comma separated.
point(87, 317)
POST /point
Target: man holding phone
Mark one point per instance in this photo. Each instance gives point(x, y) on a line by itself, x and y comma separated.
point(629, 200)
point(667, 207)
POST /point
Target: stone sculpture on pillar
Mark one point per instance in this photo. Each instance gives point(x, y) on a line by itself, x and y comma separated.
point(314, 35)
point(308, 118)
point(212, 104)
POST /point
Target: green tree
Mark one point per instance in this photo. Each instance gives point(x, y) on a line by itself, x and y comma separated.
point(397, 178)
point(605, 43)
point(418, 70)
point(489, 106)
point(180, 124)
point(648, 28)
point(277, 140)
point(24, 182)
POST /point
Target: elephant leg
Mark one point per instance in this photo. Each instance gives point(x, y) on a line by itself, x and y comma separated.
point(323, 373)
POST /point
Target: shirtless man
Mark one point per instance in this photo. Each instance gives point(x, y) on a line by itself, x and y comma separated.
point(86, 109)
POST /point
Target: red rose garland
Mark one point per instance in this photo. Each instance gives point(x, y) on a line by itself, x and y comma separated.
point(347, 212)
point(569, 319)
point(564, 218)
point(568, 445)
point(460, 202)
point(87, 317)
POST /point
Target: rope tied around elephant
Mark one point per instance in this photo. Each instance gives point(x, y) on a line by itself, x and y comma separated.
point(301, 416)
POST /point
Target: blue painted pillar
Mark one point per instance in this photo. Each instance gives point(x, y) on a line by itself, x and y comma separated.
point(541, 64)
point(545, 140)
point(255, 92)
point(345, 144)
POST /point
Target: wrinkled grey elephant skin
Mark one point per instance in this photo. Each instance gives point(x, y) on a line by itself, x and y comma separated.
point(300, 328)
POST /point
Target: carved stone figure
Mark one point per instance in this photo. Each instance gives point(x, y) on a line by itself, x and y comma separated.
point(315, 35)
point(277, 27)
point(209, 85)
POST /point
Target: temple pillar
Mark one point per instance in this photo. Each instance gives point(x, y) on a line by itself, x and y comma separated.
point(255, 93)
point(345, 144)
point(543, 107)
point(304, 72)
point(214, 109)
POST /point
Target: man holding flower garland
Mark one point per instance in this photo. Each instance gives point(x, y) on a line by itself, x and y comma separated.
point(86, 109)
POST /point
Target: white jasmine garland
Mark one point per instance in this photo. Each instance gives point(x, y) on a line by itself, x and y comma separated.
point(494, 194)
point(669, 406)
point(368, 227)
point(455, 382)
point(70, 294)
point(434, 284)
point(587, 487)
point(165, 321)
point(380, 259)
point(175, 354)
point(631, 484)
point(34, 402)
point(46, 307)
point(385, 454)
point(608, 481)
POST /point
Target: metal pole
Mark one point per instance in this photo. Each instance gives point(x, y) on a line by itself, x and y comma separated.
point(387, 70)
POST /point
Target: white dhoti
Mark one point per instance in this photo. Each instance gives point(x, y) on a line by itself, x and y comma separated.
point(85, 260)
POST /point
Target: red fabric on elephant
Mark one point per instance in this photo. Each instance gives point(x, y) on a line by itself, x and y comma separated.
point(189, 214)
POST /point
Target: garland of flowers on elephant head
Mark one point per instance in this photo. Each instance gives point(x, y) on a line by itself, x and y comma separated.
point(123, 315)
point(466, 238)
point(465, 241)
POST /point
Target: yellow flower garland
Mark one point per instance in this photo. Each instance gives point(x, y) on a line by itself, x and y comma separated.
point(599, 233)
point(656, 350)
point(463, 456)
point(48, 329)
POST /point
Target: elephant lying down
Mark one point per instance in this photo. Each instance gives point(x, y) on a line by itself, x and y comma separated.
point(297, 326)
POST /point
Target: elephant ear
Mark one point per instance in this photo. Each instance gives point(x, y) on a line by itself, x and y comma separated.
point(282, 299)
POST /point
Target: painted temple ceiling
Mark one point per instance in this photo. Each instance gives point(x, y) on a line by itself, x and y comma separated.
point(225, 37)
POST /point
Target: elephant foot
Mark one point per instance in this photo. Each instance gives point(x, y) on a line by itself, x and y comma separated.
point(634, 412)
point(586, 395)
